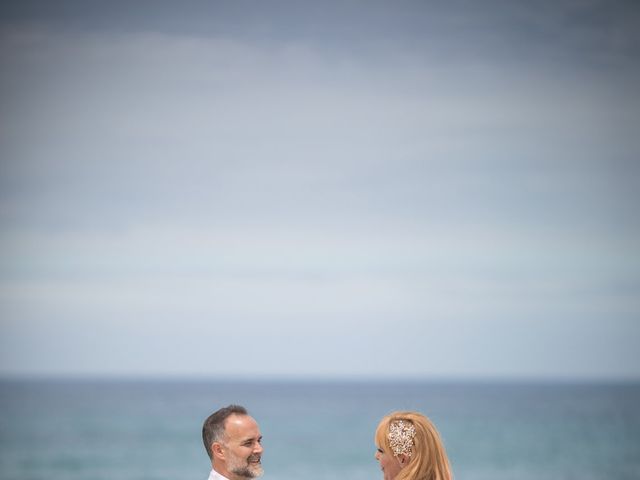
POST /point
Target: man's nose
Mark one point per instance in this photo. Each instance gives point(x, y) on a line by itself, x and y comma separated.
point(259, 448)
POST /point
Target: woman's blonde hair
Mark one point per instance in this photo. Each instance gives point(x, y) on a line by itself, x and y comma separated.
point(428, 458)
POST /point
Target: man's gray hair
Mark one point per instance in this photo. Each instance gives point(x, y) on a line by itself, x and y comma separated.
point(213, 428)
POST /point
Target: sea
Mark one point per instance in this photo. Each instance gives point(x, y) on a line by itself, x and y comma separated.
point(114, 429)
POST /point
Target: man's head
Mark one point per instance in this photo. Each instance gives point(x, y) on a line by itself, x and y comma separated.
point(233, 442)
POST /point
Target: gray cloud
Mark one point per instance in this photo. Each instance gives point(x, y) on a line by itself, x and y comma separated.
point(319, 179)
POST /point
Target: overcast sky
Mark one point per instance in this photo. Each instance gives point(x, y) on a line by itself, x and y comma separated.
point(357, 188)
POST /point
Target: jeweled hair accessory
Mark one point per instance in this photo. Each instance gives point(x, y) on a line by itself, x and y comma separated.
point(401, 435)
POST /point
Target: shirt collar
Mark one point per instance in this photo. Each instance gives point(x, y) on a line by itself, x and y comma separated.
point(213, 475)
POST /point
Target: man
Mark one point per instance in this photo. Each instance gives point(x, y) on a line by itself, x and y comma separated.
point(234, 444)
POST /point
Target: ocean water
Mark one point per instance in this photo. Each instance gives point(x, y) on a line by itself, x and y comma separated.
point(117, 430)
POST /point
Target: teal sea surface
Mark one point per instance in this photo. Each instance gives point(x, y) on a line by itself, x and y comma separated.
point(130, 429)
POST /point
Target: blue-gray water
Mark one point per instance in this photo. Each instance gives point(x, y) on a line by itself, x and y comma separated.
point(66, 430)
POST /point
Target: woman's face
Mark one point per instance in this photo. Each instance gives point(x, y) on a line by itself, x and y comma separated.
point(389, 464)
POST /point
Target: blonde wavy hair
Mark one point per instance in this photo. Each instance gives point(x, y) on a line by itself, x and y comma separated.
point(428, 459)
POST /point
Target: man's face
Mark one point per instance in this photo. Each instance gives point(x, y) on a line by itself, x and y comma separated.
point(242, 446)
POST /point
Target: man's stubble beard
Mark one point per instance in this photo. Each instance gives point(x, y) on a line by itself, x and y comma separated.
point(243, 468)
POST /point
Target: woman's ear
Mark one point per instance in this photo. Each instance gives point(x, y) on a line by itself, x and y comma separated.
point(403, 459)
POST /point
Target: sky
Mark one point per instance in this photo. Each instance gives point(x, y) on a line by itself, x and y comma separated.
point(369, 189)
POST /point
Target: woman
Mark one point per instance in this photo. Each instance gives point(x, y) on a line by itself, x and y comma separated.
point(410, 448)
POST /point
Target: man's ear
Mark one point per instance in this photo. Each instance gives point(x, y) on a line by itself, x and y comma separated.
point(216, 449)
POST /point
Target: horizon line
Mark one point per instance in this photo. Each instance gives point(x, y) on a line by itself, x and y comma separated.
point(316, 378)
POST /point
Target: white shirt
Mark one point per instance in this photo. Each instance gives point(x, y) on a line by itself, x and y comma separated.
point(216, 476)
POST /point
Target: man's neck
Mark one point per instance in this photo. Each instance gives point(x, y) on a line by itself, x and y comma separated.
point(225, 473)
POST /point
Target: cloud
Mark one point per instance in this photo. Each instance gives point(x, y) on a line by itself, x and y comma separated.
point(166, 184)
